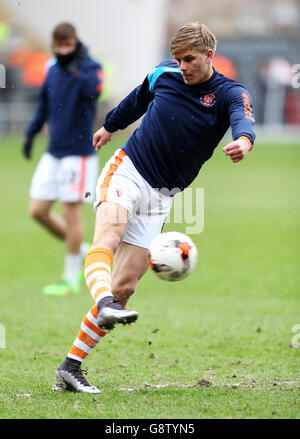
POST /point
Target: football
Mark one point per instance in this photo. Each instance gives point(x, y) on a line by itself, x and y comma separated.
point(172, 256)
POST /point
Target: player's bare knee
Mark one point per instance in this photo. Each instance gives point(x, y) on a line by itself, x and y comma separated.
point(38, 214)
point(111, 239)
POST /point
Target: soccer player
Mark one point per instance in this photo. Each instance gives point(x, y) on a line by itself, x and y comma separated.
point(187, 106)
point(69, 168)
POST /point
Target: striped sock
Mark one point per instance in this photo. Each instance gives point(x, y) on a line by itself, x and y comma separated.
point(88, 336)
point(97, 273)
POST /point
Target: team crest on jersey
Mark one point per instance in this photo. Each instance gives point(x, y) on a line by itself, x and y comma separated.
point(208, 100)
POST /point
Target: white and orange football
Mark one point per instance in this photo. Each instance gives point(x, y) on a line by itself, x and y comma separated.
point(172, 256)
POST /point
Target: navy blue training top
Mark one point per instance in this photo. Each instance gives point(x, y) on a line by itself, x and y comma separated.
point(183, 123)
point(67, 101)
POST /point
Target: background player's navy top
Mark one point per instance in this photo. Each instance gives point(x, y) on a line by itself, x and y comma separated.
point(183, 123)
point(67, 101)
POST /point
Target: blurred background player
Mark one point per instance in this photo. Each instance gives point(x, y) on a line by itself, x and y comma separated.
point(188, 107)
point(68, 169)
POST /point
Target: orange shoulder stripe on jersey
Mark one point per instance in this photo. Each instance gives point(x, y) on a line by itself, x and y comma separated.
point(112, 169)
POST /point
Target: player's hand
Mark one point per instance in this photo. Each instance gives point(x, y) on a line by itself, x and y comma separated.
point(27, 147)
point(100, 138)
point(237, 149)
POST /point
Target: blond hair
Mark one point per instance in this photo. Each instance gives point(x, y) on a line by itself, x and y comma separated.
point(193, 35)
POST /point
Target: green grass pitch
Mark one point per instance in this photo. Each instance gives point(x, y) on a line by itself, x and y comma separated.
point(215, 345)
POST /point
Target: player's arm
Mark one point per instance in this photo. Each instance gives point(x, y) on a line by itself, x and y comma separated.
point(91, 82)
point(37, 122)
point(128, 111)
point(242, 121)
